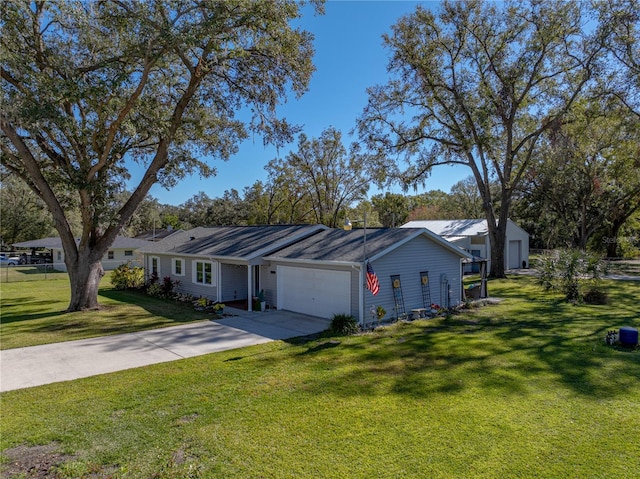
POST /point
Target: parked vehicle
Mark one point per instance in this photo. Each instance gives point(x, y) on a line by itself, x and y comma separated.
point(40, 259)
point(8, 260)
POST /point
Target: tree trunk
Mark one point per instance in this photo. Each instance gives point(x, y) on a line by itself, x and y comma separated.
point(612, 247)
point(84, 276)
point(498, 240)
point(612, 240)
point(498, 236)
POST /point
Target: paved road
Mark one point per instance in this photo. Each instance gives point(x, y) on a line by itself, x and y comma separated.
point(49, 363)
point(617, 277)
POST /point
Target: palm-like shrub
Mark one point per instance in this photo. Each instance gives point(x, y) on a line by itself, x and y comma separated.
point(574, 273)
point(344, 324)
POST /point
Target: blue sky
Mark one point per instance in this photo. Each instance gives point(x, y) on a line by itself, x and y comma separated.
point(349, 58)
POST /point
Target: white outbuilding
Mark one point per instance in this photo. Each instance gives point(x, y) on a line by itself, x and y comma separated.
point(472, 235)
point(123, 250)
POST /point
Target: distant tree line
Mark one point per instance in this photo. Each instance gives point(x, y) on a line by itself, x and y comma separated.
point(546, 226)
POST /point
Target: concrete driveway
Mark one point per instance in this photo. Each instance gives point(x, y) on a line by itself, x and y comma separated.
point(50, 363)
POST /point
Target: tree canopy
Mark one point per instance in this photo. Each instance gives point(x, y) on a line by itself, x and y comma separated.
point(330, 177)
point(24, 215)
point(619, 21)
point(477, 83)
point(586, 181)
point(89, 87)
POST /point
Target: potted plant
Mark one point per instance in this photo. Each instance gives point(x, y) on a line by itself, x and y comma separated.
point(380, 312)
point(201, 304)
point(261, 301)
point(218, 308)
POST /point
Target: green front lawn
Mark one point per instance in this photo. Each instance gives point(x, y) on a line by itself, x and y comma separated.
point(34, 313)
point(526, 388)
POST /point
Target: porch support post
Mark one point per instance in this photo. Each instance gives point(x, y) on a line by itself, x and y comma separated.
point(249, 287)
point(219, 281)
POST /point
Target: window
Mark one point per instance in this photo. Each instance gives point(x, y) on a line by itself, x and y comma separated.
point(128, 252)
point(177, 267)
point(154, 265)
point(110, 255)
point(203, 273)
point(59, 255)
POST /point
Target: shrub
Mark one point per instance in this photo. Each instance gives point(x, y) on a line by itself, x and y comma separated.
point(596, 296)
point(570, 272)
point(126, 276)
point(164, 289)
point(344, 324)
point(168, 286)
point(155, 290)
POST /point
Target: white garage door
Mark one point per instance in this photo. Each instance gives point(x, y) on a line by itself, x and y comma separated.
point(317, 292)
point(514, 255)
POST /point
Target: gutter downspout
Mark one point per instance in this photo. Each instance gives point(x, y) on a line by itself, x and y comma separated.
point(462, 298)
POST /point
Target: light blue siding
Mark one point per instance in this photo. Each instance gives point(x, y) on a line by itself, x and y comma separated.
point(186, 284)
point(407, 261)
point(268, 282)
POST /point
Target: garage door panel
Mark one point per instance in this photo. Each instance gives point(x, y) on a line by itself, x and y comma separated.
point(315, 292)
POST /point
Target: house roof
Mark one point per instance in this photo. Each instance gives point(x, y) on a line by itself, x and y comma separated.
point(449, 228)
point(157, 234)
point(238, 242)
point(56, 243)
point(336, 245)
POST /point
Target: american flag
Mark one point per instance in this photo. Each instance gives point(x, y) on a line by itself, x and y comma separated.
point(373, 284)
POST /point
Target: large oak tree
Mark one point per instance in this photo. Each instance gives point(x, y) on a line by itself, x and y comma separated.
point(90, 87)
point(325, 173)
point(477, 83)
point(619, 20)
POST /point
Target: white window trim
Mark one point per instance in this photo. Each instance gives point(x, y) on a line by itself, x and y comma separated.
point(173, 266)
point(214, 272)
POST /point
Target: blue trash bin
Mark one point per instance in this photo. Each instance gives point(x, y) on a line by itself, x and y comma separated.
point(628, 336)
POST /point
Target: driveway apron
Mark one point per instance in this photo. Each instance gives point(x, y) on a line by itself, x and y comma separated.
point(50, 363)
